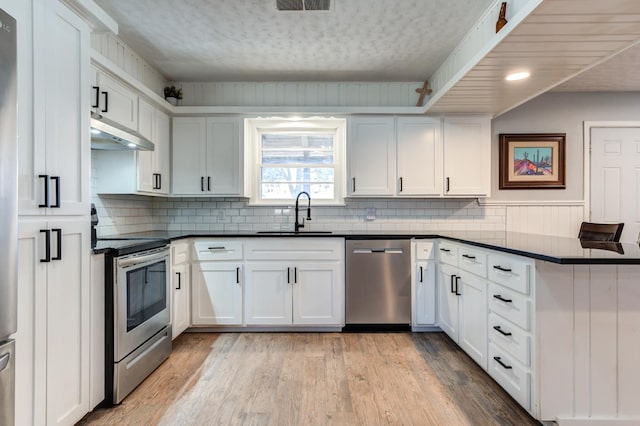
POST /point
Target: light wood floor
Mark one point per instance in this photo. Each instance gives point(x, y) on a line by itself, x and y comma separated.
point(315, 379)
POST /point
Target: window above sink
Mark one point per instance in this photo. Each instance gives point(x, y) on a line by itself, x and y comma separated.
point(290, 155)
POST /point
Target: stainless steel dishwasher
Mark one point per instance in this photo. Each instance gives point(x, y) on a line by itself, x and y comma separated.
point(378, 282)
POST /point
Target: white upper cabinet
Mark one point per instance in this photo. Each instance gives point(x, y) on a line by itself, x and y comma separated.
point(371, 156)
point(419, 157)
point(419, 149)
point(467, 156)
point(207, 156)
point(54, 165)
point(114, 101)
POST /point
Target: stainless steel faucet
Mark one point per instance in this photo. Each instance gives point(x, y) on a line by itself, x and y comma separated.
point(299, 225)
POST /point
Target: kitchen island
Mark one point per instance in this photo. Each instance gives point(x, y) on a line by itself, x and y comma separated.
point(583, 318)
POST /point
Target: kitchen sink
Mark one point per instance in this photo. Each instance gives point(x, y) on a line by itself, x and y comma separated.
point(294, 232)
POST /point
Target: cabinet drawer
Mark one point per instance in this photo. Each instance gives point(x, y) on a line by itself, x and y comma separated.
point(179, 253)
point(473, 261)
point(510, 305)
point(510, 338)
point(510, 271)
point(448, 253)
point(217, 250)
point(294, 248)
point(424, 250)
point(513, 377)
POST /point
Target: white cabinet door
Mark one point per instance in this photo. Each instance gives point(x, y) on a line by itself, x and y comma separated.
point(162, 152)
point(224, 160)
point(467, 156)
point(447, 301)
point(419, 151)
point(473, 317)
point(425, 297)
point(268, 293)
point(189, 155)
point(371, 155)
point(65, 322)
point(216, 293)
point(117, 102)
point(59, 167)
point(146, 122)
point(318, 293)
point(181, 302)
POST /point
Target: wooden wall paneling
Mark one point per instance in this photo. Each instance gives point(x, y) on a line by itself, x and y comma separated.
point(554, 334)
point(628, 332)
point(582, 340)
point(604, 342)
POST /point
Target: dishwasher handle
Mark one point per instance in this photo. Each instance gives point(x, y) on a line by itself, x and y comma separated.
point(378, 250)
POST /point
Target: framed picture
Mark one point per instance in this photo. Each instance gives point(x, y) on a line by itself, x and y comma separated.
point(532, 161)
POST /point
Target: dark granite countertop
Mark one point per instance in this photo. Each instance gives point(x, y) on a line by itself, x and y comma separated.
point(561, 250)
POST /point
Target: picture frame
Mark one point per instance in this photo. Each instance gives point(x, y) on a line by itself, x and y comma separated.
point(532, 161)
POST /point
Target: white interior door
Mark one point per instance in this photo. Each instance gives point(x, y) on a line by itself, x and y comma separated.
point(615, 178)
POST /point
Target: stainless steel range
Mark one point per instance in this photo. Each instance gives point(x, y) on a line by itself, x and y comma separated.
point(138, 325)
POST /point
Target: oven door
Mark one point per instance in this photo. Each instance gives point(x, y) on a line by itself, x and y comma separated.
point(141, 299)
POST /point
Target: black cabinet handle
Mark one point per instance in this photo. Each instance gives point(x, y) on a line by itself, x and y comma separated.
point(452, 290)
point(217, 248)
point(502, 299)
point(179, 280)
point(468, 256)
point(47, 245)
point(288, 275)
point(159, 181)
point(58, 231)
point(202, 183)
point(421, 274)
point(457, 287)
point(106, 102)
point(156, 181)
point(447, 184)
point(46, 190)
point(500, 268)
point(501, 331)
point(57, 204)
point(237, 275)
point(208, 183)
point(97, 102)
point(445, 250)
point(499, 361)
point(354, 183)
point(295, 275)
point(400, 184)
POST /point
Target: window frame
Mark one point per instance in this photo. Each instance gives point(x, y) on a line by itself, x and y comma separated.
point(255, 127)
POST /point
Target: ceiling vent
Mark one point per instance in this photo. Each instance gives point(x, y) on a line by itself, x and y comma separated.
point(303, 4)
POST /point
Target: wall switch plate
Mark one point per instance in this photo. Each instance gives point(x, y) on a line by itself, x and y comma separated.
point(371, 213)
point(221, 214)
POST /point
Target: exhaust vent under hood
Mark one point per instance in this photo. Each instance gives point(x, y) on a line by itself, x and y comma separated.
point(107, 137)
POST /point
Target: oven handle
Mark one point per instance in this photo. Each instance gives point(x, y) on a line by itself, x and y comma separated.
point(142, 259)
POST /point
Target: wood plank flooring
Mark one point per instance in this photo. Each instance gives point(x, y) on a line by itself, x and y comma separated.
point(315, 379)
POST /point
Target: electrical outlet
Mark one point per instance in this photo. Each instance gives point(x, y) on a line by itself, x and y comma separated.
point(221, 215)
point(371, 213)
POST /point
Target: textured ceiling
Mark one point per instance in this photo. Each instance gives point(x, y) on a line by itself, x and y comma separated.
point(249, 40)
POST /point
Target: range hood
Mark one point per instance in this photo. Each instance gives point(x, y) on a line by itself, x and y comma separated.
point(109, 137)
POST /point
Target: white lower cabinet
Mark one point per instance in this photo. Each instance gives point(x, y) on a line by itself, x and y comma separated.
point(424, 285)
point(295, 282)
point(181, 285)
point(53, 337)
point(485, 305)
point(216, 293)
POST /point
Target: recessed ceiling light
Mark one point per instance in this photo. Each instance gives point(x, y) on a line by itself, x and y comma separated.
point(517, 76)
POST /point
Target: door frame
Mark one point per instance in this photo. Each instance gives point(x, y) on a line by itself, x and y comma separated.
point(588, 125)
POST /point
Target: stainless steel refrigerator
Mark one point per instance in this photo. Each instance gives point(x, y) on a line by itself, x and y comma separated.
point(8, 215)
